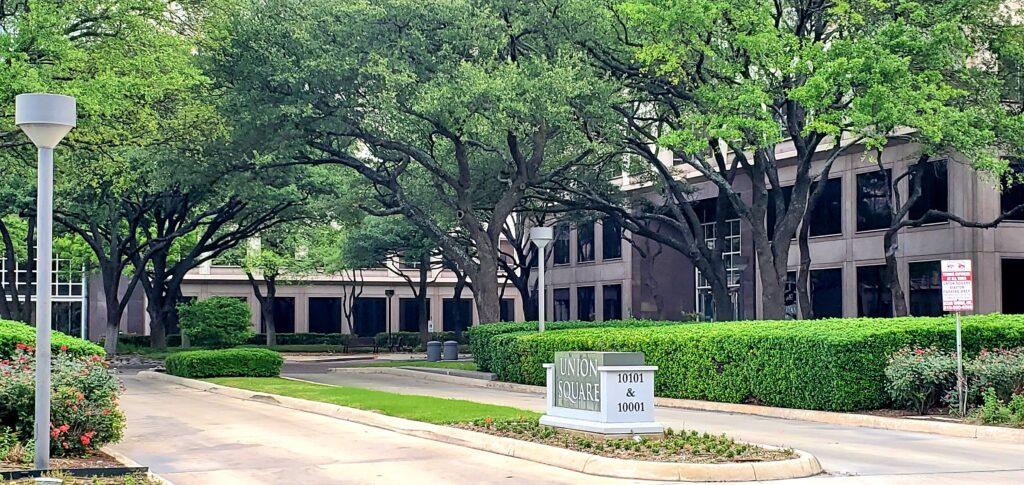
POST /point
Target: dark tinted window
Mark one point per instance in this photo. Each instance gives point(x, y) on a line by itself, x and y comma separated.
point(1013, 195)
point(325, 315)
point(369, 316)
point(873, 296)
point(585, 303)
point(585, 242)
point(612, 302)
point(508, 310)
point(284, 316)
point(934, 191)
point(456, 314)
point(827, 293)
point(561, 304)
point(826, 215)
point(873, 209)
point(611, 239)
point(409, 314)
point(561, 249)
point(925, 289)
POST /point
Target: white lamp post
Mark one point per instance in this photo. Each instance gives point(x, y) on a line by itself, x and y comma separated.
point(46, 119)
point(541, 236)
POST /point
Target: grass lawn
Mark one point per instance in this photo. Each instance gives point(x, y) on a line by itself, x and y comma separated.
point(461, 365)
point(419, 408)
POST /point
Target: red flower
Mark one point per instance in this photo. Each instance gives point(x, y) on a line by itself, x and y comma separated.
point(488, 420)
point(63, 348)
point(22, 346)
point(65, 428)
point(79, 396)
point(86, 439)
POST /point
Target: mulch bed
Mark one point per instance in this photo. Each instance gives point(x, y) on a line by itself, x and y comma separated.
point(681, 447)
point(96, 460)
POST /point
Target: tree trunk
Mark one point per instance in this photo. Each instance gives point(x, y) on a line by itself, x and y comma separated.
point(803, 290)
point(269, 327)
point(111, 285)
point(157, 328)
point(723, 302)
point(459, 286)
point(892, 274)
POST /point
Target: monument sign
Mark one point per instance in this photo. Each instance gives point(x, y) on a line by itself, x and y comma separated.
point(608, 393)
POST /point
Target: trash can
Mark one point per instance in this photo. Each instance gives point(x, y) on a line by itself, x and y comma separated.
point(433, 351)
point(451, 350)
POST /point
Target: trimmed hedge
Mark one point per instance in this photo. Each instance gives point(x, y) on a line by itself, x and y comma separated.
point(13, 333)
point(480, 336)
point(302, 339)
point(836, 364)
point(245, 362)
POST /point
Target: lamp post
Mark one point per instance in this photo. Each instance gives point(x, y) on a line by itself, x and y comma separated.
point(389, 293)
point(46, 119)
point(541, 236)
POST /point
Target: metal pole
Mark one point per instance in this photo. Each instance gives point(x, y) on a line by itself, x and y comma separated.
point(540, 292)
point(960, 388)
point(44, 281)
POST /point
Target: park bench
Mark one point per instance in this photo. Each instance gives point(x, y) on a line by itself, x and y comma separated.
point(361, 343)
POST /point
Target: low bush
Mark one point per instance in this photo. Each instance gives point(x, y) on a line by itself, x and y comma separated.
point(480, 336)
point(247, 362)
point(919, 378)
point(408, 341)
point(302, 339)
point(999, 370)
point(84, 414)
point(13, 333)
point(997, 411)
point(217, 322)
point(836, 364)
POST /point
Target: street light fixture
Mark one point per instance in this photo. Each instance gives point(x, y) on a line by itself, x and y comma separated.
point(46, 119)
point(389, 293)
point(541, 236)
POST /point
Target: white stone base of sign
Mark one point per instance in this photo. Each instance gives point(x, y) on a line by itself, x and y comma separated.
point(625, 429)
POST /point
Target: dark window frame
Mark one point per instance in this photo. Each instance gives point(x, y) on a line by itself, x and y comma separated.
point(925, 290)
point(606, 302)
point(874, 299)
point(611, 238)
point(1013, 194)
point(586, 243)
point(586, 305)
point(560, 312)
point(824, 308)
point(934, 191)
point(560, 245)
point(880, 212)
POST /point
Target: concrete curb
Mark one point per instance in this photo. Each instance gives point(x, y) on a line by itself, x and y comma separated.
point(957, 430)
point(132, 463)
point(804, 466)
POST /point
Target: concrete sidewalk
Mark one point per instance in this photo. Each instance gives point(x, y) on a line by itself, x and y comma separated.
point(842, 450)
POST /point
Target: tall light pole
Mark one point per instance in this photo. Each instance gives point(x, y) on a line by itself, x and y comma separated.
point(541, 236)
point(46, 119)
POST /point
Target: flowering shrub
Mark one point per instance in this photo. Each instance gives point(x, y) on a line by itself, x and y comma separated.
point(83, 414)
point(13, 333)
point(999, 370)
point(917, 378)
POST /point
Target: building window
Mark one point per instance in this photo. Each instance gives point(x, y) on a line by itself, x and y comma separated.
point(67, 280)
point(561, 249)
point(284, 315)
point(826, 215)
point(611, 302)
point(409, 314)
point(324, 315)
point(369, 316)
point(730, 253)
point(925, 289)
point(934, 191)
point(1013, 195)
point(508, 310)
point(585, 304)
point(585, 242)
point(873, 296)
point(452, 310)
point(827, 293)
point(611, 239)
point(873, 209)
point(66, 317)
point(561, 307)
point(792, 296)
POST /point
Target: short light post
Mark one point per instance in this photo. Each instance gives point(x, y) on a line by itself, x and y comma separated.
point(46, 119)
point(541, 236)
point(389, 293)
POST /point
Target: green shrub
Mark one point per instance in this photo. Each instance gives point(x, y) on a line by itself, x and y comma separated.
point(999, 370)
point(83, 414)
point(918, 378)
point(302, 339)
point(996, 411)
point(408, 341)
point(480, 336)
point(836, 364)
point(217, 322)
point(14, 333)
point(247, 362)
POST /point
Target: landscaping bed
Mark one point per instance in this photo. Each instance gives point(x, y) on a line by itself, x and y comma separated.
point(682, 447)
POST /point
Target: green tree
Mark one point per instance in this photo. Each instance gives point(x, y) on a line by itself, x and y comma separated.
point(460, 107)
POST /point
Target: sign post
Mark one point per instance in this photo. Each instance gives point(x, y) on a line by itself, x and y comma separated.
point(958, 296)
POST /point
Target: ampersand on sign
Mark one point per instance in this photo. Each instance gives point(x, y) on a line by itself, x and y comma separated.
point(630, 393)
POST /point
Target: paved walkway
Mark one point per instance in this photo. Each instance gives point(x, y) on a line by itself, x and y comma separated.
point(887, 456)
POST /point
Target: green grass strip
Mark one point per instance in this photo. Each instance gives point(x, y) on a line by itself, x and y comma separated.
point(428, 409)
point(460, 365)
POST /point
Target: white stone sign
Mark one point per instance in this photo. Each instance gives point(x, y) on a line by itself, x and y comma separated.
point(610, 393)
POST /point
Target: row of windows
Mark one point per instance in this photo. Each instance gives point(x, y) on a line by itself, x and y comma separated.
point(586, 304)
point(611, 239)
point(369, 314)
point(66, 279)
point(873, 296)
